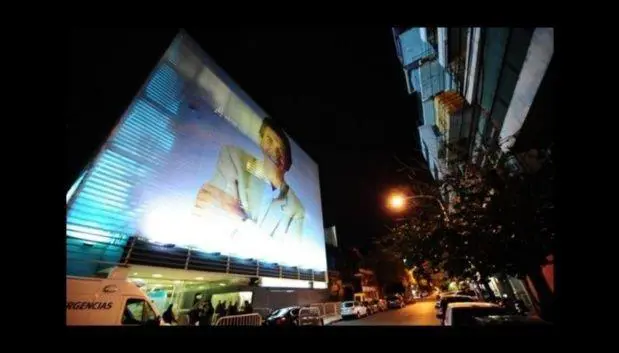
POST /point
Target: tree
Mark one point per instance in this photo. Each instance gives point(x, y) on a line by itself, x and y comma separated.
point(388, 268)
point(496, 225)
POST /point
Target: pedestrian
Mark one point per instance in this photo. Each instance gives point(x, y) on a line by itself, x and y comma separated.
point(206, 315)
point(247, 308)
point(168, 316)
point(194, 314)
point(233, 309)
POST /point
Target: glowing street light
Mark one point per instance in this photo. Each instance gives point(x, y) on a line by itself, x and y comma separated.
point(397, 202)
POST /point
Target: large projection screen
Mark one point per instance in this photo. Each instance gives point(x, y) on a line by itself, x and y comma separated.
point(194, 163)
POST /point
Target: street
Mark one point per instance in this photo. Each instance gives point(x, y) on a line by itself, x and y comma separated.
point(421, 313)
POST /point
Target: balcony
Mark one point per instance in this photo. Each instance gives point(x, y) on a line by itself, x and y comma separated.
point(453, 121)
point(412, 49)
point(432, 80)
point(449, 107)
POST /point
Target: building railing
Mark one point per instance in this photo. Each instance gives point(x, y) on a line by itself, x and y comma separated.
point(90, 251)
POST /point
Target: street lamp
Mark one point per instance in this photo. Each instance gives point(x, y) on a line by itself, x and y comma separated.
point(397, 202)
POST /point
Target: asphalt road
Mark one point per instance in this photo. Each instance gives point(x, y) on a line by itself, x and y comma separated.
point(419, 314)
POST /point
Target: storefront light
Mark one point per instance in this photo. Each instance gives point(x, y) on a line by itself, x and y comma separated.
point(283, 283)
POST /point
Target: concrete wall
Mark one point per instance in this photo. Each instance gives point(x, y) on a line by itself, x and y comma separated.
point(432, 76)
point(428, 136)
point(428, 112)
point(442, 46)
point(535, 65)
point(472, 62)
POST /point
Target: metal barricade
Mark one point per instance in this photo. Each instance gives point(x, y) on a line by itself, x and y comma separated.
point(329, 312)
point(253, 319)
point(320, 307)
point(331, 309)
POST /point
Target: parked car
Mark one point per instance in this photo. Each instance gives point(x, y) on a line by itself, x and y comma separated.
point(442, 295)
point(395, 301)
point(510, 320)
point(467, 292)
point(440, 313)
point(516, 307)
point(372, 307)
point(382, 304)
point(353, 309)
point(289, 316)
point(465, 314)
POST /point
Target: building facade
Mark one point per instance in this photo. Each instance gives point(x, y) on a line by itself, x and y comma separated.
point(139, 203)
point(486, 99)
point(477, 89)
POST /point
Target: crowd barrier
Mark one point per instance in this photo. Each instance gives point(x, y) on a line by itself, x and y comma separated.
point(329, 312)
point(326, 312)
point(253, 319)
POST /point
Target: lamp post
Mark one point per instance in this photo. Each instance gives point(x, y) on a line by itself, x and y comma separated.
point(398, 201)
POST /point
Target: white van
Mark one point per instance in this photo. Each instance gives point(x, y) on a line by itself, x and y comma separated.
point(108, 302)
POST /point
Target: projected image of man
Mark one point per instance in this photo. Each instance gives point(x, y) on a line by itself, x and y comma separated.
point(255, 189)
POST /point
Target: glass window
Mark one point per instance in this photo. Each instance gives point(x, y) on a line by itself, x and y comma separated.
point(466, 316)
point(138, 312)
point(518, 46)
point(507, 84)
point(498, 116)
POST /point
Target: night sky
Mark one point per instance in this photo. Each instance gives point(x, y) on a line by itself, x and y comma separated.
point(339, 92)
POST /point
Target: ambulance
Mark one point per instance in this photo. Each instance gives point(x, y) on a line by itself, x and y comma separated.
point(111, 301)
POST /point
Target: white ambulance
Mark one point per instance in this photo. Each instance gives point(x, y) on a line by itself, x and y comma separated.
point(108, 301)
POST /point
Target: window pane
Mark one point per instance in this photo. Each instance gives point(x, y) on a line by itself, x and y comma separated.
point(134, 311)
point(149, 313)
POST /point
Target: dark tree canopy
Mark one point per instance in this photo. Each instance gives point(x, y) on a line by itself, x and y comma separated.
point(495, 225)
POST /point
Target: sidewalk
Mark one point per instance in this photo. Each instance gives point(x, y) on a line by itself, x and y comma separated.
point(331, 319)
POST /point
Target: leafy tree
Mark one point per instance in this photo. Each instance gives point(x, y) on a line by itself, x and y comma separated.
point(388, 268)
point(496, 225)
